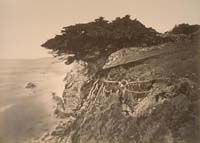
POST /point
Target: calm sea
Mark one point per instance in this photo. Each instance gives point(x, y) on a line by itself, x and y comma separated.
point(26, 113)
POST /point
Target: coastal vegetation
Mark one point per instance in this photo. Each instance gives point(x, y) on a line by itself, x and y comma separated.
point(89, 41)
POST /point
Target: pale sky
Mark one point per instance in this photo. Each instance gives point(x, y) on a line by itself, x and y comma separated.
point(26, 24)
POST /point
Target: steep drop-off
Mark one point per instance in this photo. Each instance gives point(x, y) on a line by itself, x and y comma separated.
point(153, 98)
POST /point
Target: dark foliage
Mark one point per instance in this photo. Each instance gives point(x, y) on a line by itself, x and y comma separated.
point(100, 38)
point(185, 29)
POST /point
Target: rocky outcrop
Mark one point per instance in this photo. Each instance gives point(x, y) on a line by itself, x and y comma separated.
point(128, 84)
point(160, 116)
point(152, 100)
point(30, 85)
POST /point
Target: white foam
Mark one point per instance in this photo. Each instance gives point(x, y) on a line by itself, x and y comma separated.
point(4, 108)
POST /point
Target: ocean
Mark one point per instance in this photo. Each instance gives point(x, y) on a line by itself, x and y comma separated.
point(26, 113)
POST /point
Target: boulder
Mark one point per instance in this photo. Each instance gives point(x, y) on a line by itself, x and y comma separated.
point(30, 85)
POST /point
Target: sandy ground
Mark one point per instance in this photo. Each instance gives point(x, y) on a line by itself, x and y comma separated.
point(27, 113)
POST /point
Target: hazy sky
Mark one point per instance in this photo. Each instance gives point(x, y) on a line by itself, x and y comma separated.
point(26, 24)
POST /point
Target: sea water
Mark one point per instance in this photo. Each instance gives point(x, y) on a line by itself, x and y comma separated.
point(26, 113)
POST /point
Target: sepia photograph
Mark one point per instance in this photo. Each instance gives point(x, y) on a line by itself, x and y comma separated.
point(99, 71)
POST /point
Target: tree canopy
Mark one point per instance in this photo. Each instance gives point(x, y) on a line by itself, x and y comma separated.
point(100, 37)
point(185, 29)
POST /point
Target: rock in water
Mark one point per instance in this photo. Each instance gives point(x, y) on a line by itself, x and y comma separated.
point(30, 85)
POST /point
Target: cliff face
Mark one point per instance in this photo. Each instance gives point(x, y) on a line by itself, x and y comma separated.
point(150, 99)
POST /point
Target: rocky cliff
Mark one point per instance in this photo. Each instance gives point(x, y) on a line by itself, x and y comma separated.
point(141, 95)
